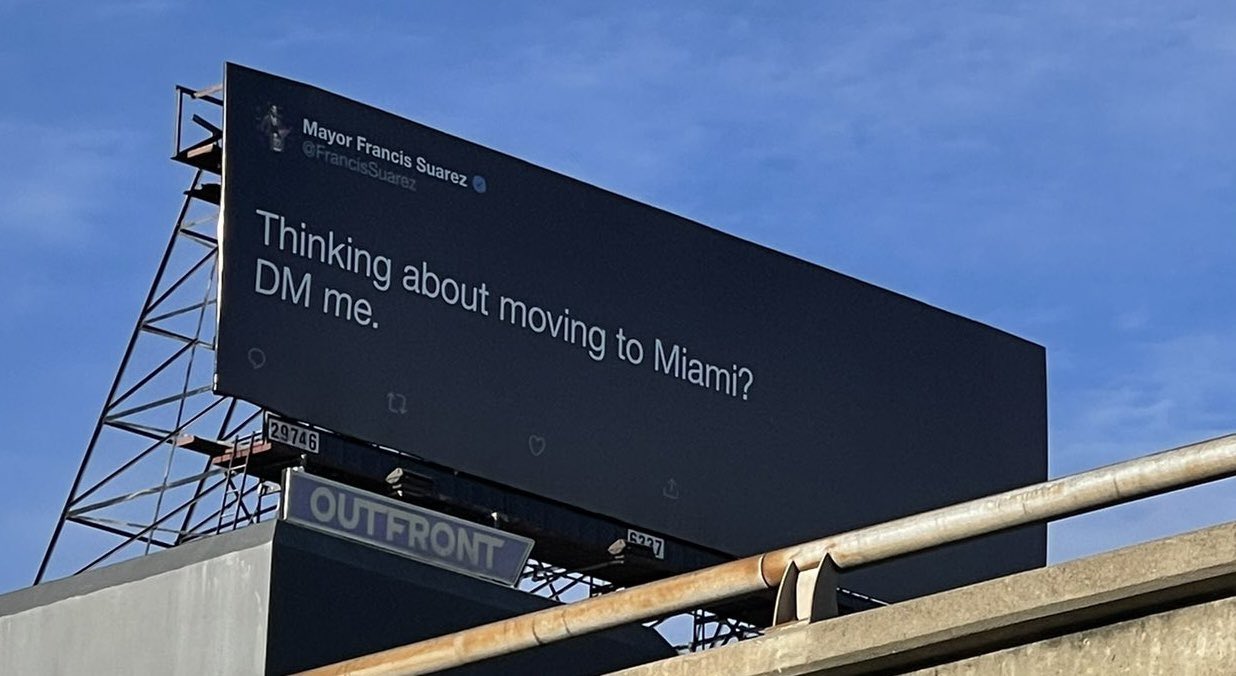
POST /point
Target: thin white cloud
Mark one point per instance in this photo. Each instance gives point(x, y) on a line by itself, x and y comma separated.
point(1172, 391)
point(1132, 320)
point(1176, 391)
point(55, 180)
point(134, 8)
point(1142, 521)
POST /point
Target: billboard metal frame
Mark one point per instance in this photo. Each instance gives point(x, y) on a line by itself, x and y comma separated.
point(882, 402)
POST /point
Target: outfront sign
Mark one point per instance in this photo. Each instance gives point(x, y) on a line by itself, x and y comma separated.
point(401, 286)
point(415, 532)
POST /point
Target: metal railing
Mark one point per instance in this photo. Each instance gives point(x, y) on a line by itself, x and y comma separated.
point(1086, 491)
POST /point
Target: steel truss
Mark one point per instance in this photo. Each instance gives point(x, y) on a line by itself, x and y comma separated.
point(688, 632)
point(135, 488)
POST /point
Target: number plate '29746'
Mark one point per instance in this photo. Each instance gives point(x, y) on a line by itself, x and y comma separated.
point(292, 434)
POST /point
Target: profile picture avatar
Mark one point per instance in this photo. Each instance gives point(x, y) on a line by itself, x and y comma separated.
point(273, 128)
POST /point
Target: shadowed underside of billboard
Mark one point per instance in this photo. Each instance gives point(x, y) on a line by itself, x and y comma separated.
point(411, 289)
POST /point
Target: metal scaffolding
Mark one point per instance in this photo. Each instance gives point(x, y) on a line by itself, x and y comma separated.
point(692, 631)
point(136, 489)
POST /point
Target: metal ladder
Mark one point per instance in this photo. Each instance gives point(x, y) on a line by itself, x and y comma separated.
point(233, 495)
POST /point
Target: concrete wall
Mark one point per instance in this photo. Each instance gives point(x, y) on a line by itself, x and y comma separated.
point(213, 607)
point(1198, 640)
point(172, 613)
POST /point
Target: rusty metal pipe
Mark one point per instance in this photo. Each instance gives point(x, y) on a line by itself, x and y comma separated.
point(1074, 494)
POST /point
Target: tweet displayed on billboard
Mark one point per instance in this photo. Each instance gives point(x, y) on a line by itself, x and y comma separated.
point(409, 288)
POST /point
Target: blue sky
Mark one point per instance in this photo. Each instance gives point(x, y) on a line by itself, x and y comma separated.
point(1065, 171)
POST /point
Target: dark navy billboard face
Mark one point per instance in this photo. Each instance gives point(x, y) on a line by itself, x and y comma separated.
point(412, 289)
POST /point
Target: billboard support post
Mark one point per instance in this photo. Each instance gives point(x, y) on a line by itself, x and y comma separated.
point(131, 484)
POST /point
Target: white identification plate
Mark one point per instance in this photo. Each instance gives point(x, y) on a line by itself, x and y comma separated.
point(656, 544)
point(292, 434)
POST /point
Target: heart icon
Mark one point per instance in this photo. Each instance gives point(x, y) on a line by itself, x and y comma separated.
point(536, 444)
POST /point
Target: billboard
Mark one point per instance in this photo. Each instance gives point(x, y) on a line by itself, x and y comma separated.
point(412, 289)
